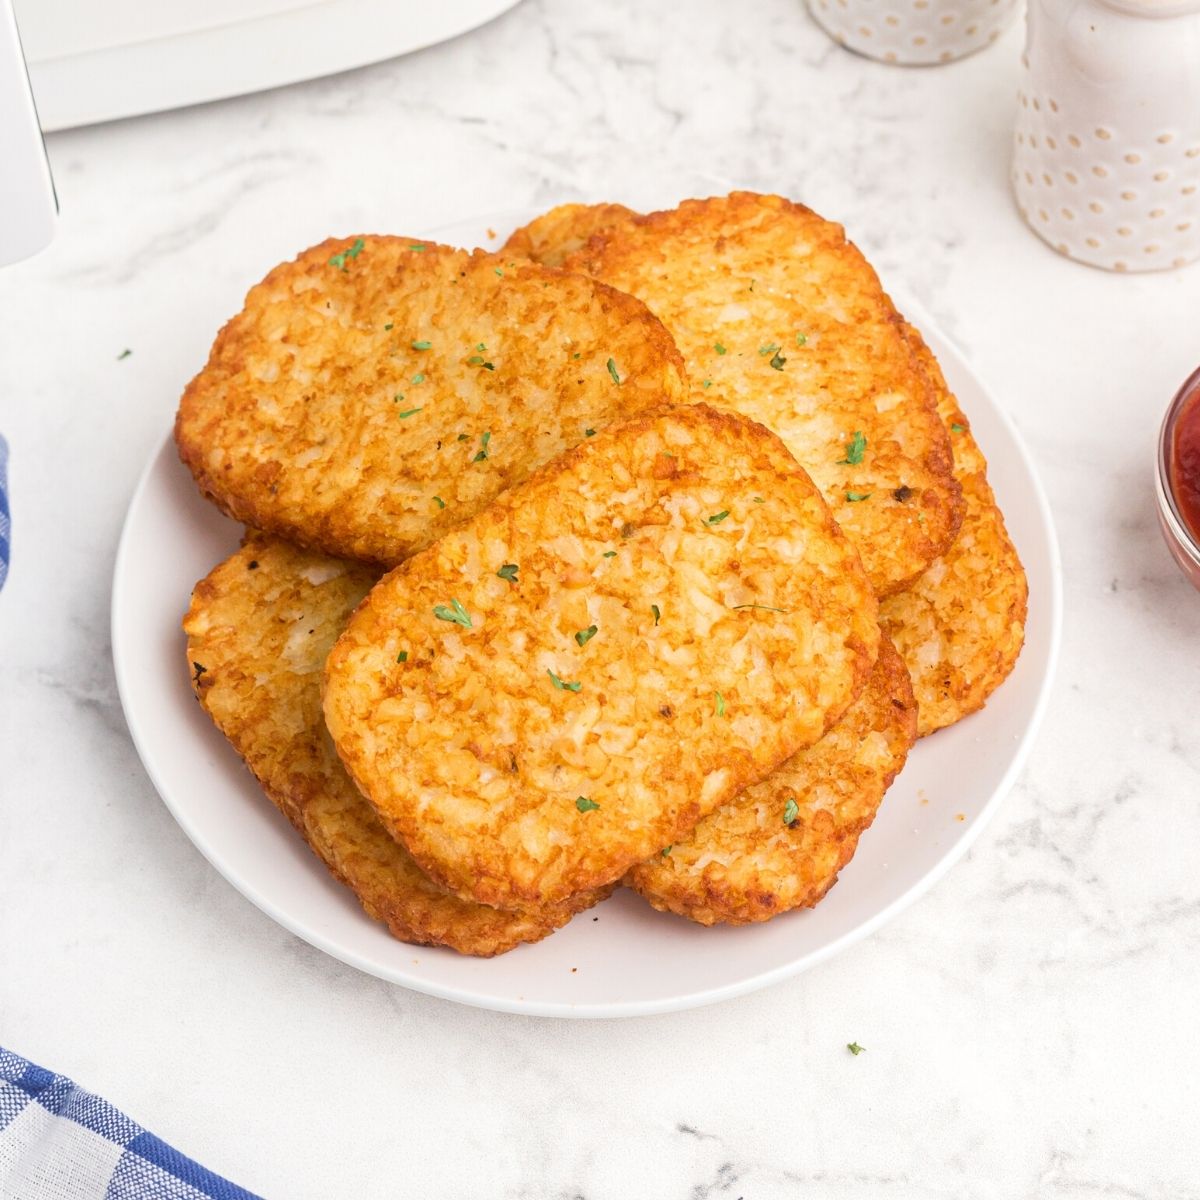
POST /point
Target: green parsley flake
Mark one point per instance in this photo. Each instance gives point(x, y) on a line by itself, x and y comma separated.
point(462, 437)
point(585, 805)
point(339, 260)
point(509, 572)
point(421, 345)
point(612, 370)
point(487, 366)
point(770, 348)
point(408, 412)
point(720, 704)
point(610, 554)
point(855, 1048)
point(585, 635)
point(439, 502)
point(657, 613)
point(706, 384)
point(388, 327)
point(758, 500)
point(562, 684)
point(791, 810)
point(481, 346)
point(483, 453)
point(720, 349)
point(717, 518)
point(666, 850)
point(500, 272)
point(402, 656)
point(777, 361)
point(455, 614)
point(418, 377)
point(764, 607)
point(124, 354)
point(956, 427)
point(855, 497)
point(417, 248)
point(589, 433)
point(476, 360)
point(801, 339)
point(854, 450)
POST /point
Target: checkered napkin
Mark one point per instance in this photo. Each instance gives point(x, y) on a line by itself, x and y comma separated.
point(5, 522)
point(58, 1142)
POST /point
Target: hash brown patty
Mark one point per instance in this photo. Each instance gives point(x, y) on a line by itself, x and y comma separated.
point(570, 681)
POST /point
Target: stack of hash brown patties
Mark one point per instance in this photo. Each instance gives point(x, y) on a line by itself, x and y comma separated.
point(641, 551)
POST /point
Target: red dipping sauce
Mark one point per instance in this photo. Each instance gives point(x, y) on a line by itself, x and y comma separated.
point(1185, 461)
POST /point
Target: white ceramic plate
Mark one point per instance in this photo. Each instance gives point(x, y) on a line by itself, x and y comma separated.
point(621, 958)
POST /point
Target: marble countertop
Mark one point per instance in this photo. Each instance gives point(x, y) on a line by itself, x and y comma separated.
point(1029, 1024)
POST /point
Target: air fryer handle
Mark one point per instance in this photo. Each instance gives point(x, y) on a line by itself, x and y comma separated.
point(28, 207)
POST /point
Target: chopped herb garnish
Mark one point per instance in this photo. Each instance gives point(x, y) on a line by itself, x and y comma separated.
point(657, 613)
point(388, 327)
point(855, 497)
point(417, 248)
point(720, 704)
point(666, 850)
point(439, 502)
point(462, 437)
point(421, 345)
point(610, 554)
point(589, 433)
point(509, 572)
point(758, 500)
point(720, 349)
point(801, 339)
point(956, 427)
point(198, 670)
point(855, 1048)
point(340, 260)
point(562, 684)
point(500, 272)
point(706, 384)
point(717, 518)
point(455, 613)
point(612, 370)
point(408, 412)
point(487, 366)
point(791, 810)
point(124, 354)
point(777, 361)
point(586, 805)
point(418, 377)
point(476, 360)
point(770, 348)
point(483, 452)
point(585, 635)
point(481, 346)
point(764, 607)
point(854, 450)
point(402, 656)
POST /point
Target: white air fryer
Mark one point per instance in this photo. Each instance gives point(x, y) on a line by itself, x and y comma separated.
point(28, 208)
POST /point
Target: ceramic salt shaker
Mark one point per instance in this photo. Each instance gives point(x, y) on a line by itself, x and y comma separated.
point(1106, 158)
point(913, 32)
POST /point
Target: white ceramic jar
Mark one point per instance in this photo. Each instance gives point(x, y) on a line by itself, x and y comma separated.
point(1106, 158)
point(913, 32)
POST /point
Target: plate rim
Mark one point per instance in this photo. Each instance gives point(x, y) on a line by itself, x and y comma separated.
point(475, 998)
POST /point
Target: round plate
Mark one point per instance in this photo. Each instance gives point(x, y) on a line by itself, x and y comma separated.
point(621, 958)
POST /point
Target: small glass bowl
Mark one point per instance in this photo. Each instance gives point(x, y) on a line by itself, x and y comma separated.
point(1184, 548)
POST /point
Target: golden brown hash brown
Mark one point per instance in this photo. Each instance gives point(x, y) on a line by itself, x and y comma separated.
point(377, 391)
point(961, 626)
point(553, 237)
point(780, 844)
point(600, 658)
point(780, 318)
point(259, 629)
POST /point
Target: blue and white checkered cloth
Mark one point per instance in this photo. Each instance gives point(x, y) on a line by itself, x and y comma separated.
point(5, 520)
point(58, 1142)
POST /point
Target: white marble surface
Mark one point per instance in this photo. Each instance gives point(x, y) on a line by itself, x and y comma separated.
point(1030, 1025)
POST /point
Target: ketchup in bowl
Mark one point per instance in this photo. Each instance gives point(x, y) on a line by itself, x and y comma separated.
point(1179, 479)
point(1185, 462)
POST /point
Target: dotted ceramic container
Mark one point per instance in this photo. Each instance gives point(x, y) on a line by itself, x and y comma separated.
point(913, 32)
point(1106, 162)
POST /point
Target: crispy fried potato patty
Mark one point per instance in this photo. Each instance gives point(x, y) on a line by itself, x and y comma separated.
point(781, 318)
point(961, 626)
point(259, 629)
point(377, 391)
point(553, 237)
point(554, 691)
point(780, 844)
